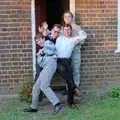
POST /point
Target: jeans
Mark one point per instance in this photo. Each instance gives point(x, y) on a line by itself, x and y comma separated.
point(49, 66)
point(76, 62)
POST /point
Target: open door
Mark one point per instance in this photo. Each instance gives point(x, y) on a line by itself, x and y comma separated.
point(40, 12)
point(54, 10)
point(50, 10)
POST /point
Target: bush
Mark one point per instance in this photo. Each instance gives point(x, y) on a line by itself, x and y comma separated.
point(114, 92)
point(25, 91)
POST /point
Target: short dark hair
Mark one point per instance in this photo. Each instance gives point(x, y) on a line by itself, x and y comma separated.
point(57, 25)
point(67, 25)
point(39, 35)
point(69, 12)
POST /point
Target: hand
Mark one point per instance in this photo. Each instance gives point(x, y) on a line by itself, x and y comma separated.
point(39, 52)
point(39, 29)
point(77, 42)
point(75, 26)
point(40, 42)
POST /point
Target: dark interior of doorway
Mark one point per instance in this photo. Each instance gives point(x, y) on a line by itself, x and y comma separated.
point(54, 11)
point(50, 10)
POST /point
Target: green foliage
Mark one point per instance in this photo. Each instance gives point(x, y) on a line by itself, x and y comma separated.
point(25, 91)
point(114, 92)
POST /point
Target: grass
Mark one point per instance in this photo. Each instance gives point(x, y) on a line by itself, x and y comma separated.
point(92, 109)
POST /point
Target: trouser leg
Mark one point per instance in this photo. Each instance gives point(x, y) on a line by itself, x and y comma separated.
point(76, 62)
point(38, 70)
point(64, 68)
point(43, 83)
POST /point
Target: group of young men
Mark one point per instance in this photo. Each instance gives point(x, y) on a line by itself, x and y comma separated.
point(56, 53)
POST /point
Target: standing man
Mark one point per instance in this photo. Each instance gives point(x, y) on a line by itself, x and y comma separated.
point(64, 46)
point(48, 61)
point(76, 54)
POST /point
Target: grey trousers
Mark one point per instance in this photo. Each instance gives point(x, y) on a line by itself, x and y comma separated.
point(76, 61)
point(49, 65)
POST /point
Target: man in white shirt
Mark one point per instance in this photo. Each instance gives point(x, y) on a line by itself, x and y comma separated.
point(64, 47)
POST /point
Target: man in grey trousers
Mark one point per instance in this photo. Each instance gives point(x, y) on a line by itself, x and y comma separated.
point(48, 61)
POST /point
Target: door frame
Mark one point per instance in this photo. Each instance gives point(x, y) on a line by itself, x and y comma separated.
point(33, 29)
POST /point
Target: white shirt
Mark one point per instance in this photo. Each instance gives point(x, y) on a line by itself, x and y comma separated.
point(65, 45)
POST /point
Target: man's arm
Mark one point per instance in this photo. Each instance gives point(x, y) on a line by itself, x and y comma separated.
point(78, 32)
point(80, 38)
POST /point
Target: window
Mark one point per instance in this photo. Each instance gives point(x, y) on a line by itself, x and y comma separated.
point(118, 28)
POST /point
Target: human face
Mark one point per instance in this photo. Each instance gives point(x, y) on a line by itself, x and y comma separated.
point(67, 18)
point(55, 32)
point(45, 26)
point(40, 41)
point(67, 31)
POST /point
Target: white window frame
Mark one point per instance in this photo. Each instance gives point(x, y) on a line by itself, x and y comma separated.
point(72, 8)
point(118, 30)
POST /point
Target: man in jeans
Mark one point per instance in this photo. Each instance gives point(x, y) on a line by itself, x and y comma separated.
point(65, 45)
point(48, 61)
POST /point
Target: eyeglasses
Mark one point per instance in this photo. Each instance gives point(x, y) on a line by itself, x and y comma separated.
point(58, 32)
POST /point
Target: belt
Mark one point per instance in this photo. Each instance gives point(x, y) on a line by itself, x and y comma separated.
point(43, 54)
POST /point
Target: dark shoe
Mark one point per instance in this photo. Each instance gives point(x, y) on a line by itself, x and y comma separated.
point(30, 110)
point(73, 106)
point(59, 108)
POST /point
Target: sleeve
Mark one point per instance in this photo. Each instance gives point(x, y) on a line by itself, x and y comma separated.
point(80, 35)
point(80, 38)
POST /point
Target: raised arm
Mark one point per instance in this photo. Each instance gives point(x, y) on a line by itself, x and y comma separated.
point(81, 37)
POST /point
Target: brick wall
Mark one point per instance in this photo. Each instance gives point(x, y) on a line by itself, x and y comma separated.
point(100, 67)
point(15, 44)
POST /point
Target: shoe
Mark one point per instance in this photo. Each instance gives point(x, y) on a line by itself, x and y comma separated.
point(30, 110)
point(77, 92)
point(73, 106)
point(59, 108)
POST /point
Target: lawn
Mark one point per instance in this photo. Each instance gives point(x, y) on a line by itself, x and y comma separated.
point(90, 109)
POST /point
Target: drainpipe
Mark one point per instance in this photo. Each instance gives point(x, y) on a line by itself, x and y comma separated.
point(33, 35)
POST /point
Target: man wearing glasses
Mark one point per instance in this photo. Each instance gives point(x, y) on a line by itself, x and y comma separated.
point(47, 60)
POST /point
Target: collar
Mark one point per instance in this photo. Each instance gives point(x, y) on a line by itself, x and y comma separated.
point(48, 37)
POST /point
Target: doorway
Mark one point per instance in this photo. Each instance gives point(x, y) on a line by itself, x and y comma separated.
point(50, 10)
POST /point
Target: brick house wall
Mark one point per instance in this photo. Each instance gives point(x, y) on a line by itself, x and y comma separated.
point(15, 43)
point(100, 66)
